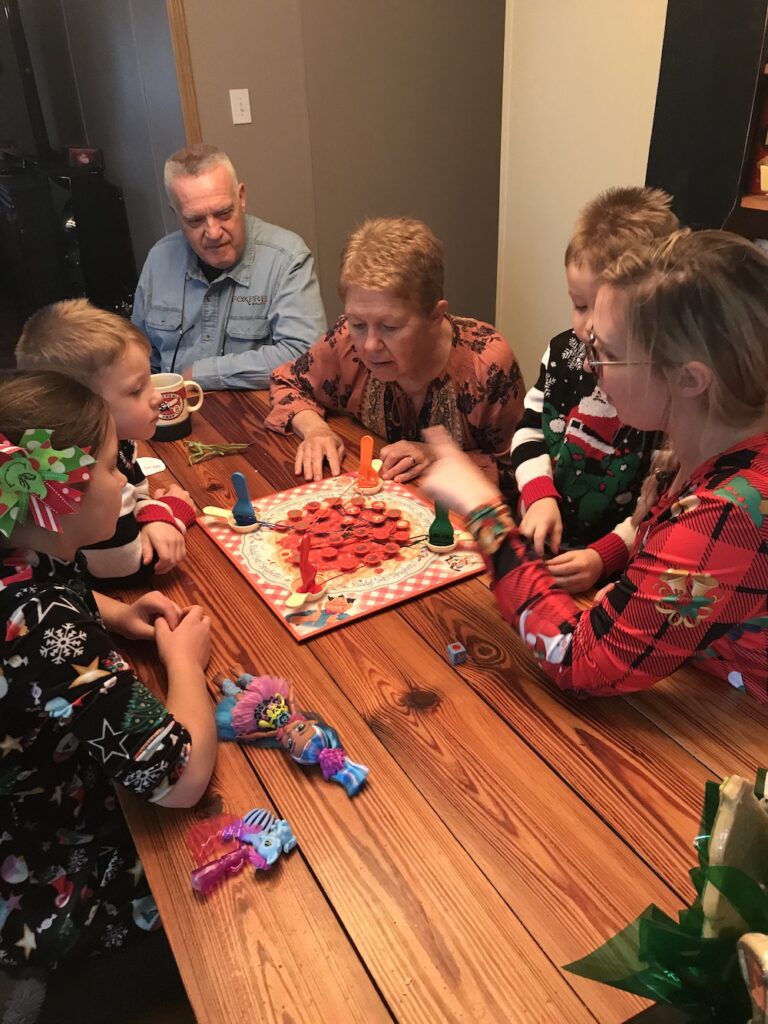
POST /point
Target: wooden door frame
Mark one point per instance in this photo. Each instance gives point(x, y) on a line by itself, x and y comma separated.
point(180, 40)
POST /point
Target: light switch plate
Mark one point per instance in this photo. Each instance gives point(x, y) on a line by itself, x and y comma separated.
point(240, 101)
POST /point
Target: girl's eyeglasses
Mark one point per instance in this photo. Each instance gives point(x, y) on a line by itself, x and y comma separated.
point(594, 363)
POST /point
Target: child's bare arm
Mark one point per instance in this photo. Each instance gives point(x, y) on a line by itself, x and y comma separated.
point(185, 651)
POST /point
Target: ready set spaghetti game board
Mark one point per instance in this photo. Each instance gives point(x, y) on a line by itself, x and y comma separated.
point(362, 552)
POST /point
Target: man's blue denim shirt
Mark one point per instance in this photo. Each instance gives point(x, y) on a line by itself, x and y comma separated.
point(234, 331)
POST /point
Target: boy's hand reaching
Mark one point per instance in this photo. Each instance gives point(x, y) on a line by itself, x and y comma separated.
point(542, 523)
point(166, 541)
point(576, 571)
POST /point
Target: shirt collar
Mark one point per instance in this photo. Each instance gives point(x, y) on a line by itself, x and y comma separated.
point(241, 272)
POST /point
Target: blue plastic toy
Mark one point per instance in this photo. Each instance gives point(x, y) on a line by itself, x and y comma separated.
point(242, 510)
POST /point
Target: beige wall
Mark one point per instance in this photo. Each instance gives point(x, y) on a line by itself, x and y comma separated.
point(362, 108)
point(257, 45)
point(579, 93)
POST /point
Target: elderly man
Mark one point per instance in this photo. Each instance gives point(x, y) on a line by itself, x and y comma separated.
point(229, 297)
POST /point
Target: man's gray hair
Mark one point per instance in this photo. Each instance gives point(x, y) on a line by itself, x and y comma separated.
point(193, 161)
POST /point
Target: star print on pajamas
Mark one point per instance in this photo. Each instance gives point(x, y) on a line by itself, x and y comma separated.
point(110, 738)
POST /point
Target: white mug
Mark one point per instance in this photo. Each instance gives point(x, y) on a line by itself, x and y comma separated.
point(175, 405)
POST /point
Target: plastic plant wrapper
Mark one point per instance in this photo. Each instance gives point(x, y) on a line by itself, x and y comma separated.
point(691, 963)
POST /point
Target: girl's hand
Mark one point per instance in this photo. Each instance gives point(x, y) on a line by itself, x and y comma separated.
point(137, 621)
point(576, 571)
point(404, 460)
point(452, 478)
point(188, 643)
point(542, 522)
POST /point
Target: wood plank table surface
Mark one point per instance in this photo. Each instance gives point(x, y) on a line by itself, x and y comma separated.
point(505, 828)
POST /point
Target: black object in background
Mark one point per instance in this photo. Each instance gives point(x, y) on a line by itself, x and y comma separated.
point(712, 64)
point(63, 227)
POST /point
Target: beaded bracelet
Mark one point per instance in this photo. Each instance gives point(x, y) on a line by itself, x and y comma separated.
point(490, 525)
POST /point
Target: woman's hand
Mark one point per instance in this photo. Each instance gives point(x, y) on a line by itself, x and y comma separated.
point(137, 621)
point(319, 446)
point(318, 443)
point(404, 460)
point(452, 477)
point(541, 523)
point(602, 592)
point(188, 642)
point(576, 571)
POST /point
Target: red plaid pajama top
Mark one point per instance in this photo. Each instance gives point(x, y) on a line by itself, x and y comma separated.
point(696, 588)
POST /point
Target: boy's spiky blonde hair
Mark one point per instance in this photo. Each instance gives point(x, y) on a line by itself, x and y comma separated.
point(616, 220)
point(77, 339)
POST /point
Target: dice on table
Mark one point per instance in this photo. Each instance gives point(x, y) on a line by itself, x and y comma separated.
point(456, 653)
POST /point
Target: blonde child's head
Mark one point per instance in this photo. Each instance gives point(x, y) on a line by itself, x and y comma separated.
point(99, 348)
point(76, 416)
point(613, 222)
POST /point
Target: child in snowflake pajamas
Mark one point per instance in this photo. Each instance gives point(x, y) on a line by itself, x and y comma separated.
point(679, 345)
point(111, 356)
point(577, 468)
point(75, 722)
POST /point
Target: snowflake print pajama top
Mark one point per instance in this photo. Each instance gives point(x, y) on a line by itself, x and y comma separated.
point(74, 720)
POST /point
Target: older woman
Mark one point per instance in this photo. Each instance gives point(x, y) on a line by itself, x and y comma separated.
point(398, 362)
point(678, 343)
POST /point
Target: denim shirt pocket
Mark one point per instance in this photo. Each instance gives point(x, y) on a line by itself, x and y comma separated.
point(163, 322)
point(247, 332)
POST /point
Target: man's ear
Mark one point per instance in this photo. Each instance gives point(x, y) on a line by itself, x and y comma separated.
point(241, 193)
point(692, 379)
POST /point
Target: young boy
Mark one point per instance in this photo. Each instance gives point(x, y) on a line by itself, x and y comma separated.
point(111, 356)
point(577, 469)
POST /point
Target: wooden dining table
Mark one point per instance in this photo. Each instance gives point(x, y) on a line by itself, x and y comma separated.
point(505, 829)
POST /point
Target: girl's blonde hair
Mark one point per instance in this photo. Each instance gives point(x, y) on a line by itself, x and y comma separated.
point(396, 255)
point(41, 399)
point(76, 338)
point(702, 296)
point(699, 296)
